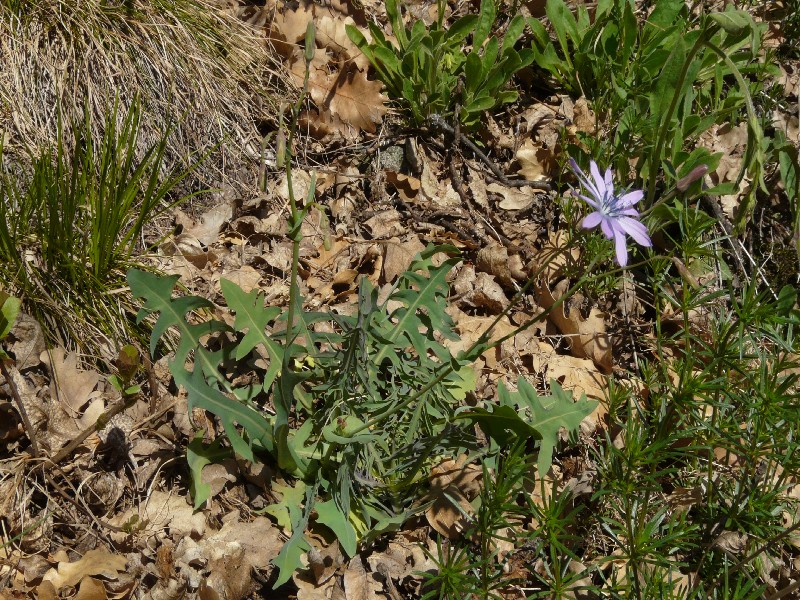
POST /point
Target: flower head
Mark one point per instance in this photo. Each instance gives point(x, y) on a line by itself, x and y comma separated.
point(612, 211)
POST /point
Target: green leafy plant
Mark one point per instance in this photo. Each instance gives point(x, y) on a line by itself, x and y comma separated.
point(381, 369)
point(717, 426)
point(9, 310)
point(472, 565)
point(663, 81)
point(424, 69)
point(70, 230)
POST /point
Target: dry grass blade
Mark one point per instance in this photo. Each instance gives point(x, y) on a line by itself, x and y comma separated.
point(186, 59)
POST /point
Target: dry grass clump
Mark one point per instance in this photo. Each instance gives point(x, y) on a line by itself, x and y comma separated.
point(188, 60)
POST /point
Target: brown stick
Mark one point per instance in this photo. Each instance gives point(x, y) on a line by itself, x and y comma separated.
point(439, 123)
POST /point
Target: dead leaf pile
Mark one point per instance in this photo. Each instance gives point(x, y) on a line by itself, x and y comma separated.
point(346, 101)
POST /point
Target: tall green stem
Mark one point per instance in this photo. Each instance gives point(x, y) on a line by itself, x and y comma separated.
point(295, 216)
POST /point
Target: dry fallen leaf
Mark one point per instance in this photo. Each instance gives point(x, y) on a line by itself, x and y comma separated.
point(513, 198)
point(452, 481)
point(398, 256)
point(587, 337)
point(358, 584)
point(73, 385)
point(94, 562)
point(494, 259)
point(385, 224)
point(91, 589)
point(536, 162)
point(292, 24)
point(206, 229)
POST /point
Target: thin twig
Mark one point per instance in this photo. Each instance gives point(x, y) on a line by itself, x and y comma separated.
point(455, 177)
point(98, 425)
point(439, 123)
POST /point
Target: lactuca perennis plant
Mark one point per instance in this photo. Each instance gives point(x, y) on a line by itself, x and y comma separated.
point(374, 397)
point(423, 70)
point(345, 389)
point(662, 81)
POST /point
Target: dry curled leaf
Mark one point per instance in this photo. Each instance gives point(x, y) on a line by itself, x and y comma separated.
point(453, 484)
point(94, 562)
point(587, 336)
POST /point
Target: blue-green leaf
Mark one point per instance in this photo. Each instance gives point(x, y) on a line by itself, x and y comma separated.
point(253, 317)
point(330, 515)
point(230, 412)
point(288, 559)
point(198, 455)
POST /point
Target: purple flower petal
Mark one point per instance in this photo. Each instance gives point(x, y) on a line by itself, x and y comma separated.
point(598, 178)
point(621, 249)
point(609, 181)
point(592, 220)
point(587, 183)
point(606, 225)
point(590, 202)
point(631, 198)
point(636, 230)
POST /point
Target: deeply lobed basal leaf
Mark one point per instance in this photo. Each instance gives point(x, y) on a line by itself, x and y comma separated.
point(157, 292)
point(524, 414)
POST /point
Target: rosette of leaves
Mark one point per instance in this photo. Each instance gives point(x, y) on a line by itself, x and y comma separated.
point(368, 402)
point(424, 68)
point(360, 404)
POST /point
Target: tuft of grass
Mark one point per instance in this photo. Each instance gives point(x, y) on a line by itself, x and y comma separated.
point(71, 226)
point(183, 58)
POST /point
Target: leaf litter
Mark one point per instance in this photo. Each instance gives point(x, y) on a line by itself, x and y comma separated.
point(157, 543)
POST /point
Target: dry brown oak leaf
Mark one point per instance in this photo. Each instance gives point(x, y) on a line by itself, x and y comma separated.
point(350, 96)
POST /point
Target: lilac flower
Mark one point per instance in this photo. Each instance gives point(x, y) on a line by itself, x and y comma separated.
point(612, 211)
